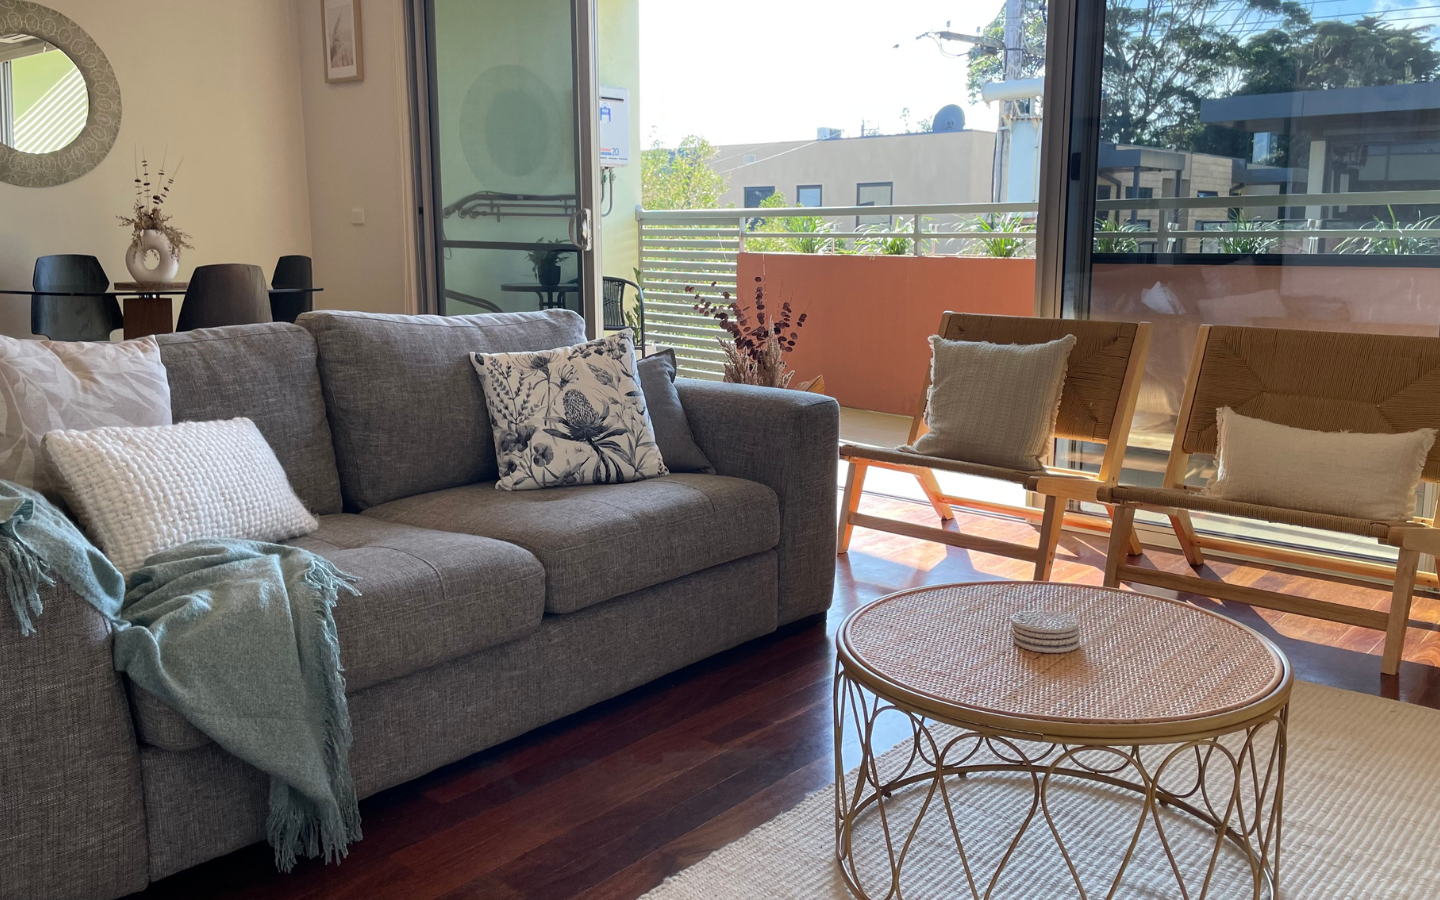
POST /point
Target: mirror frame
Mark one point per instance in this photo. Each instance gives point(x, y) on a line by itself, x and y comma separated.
point(102, 125)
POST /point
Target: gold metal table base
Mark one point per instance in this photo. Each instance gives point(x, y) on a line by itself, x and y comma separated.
point(1231, 782)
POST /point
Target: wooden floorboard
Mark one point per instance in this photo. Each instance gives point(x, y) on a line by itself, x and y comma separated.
point(605, 804)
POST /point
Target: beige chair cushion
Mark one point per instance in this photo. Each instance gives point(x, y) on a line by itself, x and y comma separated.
point(994, 404)
point(1362, 476)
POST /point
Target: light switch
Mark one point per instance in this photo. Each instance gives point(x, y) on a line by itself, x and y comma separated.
point(357, 216)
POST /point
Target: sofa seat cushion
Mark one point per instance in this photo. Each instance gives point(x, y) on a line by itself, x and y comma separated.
point(604, 540)
point(426, 597)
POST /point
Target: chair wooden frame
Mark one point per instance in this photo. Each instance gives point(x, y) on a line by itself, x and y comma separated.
point(1413, 538)
point(1119, 411)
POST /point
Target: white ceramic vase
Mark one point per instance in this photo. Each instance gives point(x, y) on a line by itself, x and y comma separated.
point(167, 263)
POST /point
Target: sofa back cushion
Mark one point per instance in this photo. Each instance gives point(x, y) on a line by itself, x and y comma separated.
point(405, 406)
point(267, 374)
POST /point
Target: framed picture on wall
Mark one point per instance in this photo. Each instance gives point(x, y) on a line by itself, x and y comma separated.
point(344, 55)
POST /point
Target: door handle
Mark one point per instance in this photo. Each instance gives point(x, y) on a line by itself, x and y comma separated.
point(580, 231)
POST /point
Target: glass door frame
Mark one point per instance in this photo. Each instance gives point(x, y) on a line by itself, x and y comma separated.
point(585, 230)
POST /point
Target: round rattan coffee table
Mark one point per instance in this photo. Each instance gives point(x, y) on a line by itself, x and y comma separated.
point(1176, 713)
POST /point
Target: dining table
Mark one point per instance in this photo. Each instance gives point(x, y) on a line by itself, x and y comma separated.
point(147, 305)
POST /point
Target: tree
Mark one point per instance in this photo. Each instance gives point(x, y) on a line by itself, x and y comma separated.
point(1336, 55)
point(1162, 59)
point(986, 64)
point(681, 178)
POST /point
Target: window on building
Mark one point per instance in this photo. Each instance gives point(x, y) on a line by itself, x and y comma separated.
point(1146, 193)
point(874, 193)
point(808, 195)
point(1102, 192)
point(754, 196)
point(747, 159)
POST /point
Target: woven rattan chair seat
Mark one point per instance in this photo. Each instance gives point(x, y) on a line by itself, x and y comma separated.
point(1194, 500)
point(905, 458)
point(947, 650)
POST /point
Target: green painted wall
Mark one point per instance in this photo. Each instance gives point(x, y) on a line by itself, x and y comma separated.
point(619, 28)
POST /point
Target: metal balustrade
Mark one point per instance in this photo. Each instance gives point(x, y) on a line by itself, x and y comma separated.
point(693, 252)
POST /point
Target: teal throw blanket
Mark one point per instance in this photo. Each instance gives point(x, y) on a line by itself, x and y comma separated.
point(237, 636)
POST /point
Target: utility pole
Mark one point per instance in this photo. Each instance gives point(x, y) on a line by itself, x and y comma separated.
point(1014, 58)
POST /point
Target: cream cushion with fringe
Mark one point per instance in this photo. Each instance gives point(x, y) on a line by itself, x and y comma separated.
point(138, 491)
point(1340, 473)
point(994, 404)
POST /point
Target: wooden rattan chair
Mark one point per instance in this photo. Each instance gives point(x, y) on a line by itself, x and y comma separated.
point(1097, 404)
point(1322, 381)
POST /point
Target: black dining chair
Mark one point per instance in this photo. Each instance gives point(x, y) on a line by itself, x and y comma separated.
point(612, 307)
point(295, 274)
point(85, 317)
point(224, 294)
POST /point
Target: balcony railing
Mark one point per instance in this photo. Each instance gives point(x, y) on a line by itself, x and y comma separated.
point(685, 252)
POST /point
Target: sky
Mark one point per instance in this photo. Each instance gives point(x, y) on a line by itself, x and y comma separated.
point(754, 71)
point(746, 71)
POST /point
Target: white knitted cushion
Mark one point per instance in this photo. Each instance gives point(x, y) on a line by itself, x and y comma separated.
point(1339, 473)
point(139, 491)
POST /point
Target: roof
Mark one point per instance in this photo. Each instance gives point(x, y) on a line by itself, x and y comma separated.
point(1259, 112)
point(1128, 156)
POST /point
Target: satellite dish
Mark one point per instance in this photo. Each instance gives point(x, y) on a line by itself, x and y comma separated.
point(949, 118)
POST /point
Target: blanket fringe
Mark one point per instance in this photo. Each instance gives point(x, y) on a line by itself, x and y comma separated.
point(24, 572)
point(297, 825)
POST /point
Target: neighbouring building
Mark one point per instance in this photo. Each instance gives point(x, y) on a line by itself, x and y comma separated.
point(882, 170)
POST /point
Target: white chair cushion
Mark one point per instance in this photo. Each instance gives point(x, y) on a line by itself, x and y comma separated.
point(139, 491)
point(1338, 473)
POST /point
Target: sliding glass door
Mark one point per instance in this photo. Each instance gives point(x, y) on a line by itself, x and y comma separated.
point(509, 115)
point(1242, 162)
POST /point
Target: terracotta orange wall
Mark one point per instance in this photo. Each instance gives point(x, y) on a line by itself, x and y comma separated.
point(870, 316)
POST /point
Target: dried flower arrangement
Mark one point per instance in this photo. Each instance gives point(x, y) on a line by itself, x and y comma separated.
point(149, 214)
point(755, 351)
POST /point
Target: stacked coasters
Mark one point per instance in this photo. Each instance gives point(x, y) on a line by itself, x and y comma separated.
point(1045, 632)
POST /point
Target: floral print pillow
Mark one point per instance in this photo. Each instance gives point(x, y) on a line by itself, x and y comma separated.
point(575, 415)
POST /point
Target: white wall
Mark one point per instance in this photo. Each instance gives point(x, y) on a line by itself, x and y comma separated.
point(275, 158)
point(212, 82)
point(356, 148)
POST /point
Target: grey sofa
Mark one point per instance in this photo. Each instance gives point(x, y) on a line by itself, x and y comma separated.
point(484, 613)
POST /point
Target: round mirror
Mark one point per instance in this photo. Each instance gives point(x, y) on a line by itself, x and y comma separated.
point(43, 100)
point(59, 101)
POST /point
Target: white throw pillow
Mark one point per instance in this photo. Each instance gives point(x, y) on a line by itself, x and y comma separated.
point(49, 385)
point(139, 491)
point(575, 415)
point(1339, 473)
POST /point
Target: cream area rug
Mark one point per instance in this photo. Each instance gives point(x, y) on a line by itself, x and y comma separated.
point(1361, 820)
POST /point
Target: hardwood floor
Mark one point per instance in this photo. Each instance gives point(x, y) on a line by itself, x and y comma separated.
point(608, 802)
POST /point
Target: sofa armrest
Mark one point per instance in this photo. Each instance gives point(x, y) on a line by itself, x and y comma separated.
point(72, 817)
point(787, 441)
